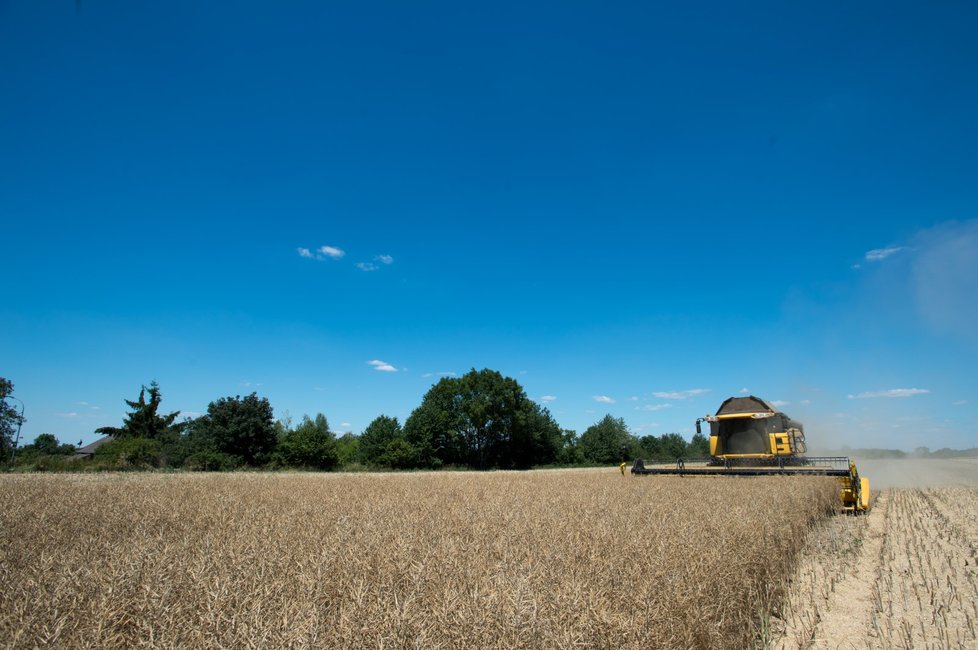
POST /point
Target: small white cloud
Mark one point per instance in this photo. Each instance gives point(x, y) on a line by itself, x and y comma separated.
point(633, 398)
point(806, 402)
point(548, 398)
point(779, 403)
point(893, 392)
point(69, 416)
point(304, 252)
point(331, 252)
point(384, 259)
point(879, 254)
point(744, 391)
point(604, 399)
point(682, 394)
point(366, 266)
point(345, 424)
point(382, 366)
point(960, 402)
point(653, 407)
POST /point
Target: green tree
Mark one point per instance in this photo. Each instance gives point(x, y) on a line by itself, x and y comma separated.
point(673, 445)
point(482, 420)
point(144, 420)
point(398, 454)
point(44, 453)
point(651, 446)
point(240, 427)
point(432, 427)
point(699, 445)
point(347, 448)
point(311, 444)
point(570, 449)
point(46, 443)
point(10, 419)
point(607, 441)
point(377, 436)
point(131, 453)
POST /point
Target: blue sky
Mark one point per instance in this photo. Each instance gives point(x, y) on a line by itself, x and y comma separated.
point(632, 209)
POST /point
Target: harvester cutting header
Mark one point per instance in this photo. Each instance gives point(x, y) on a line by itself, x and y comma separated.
point(750, 437)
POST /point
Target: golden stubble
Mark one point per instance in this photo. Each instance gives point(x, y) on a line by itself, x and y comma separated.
point(429, 560)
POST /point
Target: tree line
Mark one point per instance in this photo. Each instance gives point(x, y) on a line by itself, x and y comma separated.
point(481, 420)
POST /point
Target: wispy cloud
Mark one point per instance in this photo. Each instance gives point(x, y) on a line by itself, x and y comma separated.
point(382, 366)
point(332, 252)
point(444, 373)
point(653, 407)
point(321, 253)
point(385, 260)
point(681, 394)
point(959, 402)
point(779, 403)
point(893, 392)
point(548, 398)
point(744, 391)
point(880, 254)
point(79, 417)
point(604, 399)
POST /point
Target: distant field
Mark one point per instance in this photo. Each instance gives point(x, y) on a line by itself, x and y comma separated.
point(507, 560)
point(914, 472)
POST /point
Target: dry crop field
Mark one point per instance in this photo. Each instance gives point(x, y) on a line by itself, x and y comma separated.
point(505, 560)
point(905, 576)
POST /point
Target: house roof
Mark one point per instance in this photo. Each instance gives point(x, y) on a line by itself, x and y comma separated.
point(89, 449)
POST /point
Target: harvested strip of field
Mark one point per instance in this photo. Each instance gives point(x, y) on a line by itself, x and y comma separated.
point(541, 559)
point(905, 576)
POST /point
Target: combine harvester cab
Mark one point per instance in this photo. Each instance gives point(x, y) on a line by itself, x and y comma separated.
point(750, 437)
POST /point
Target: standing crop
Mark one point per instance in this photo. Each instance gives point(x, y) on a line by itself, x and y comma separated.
point(539, 559)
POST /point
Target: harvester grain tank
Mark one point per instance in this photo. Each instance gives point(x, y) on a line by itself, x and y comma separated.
point(751, 437)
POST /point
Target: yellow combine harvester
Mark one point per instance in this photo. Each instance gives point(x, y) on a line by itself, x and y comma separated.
point(750, 437)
